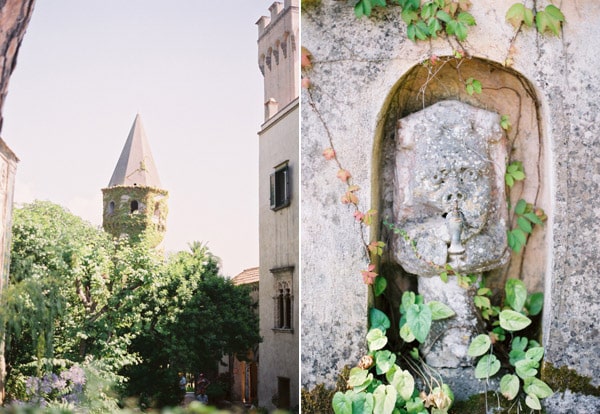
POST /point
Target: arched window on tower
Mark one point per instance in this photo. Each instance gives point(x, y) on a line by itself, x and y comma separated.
point(111, 207)
point(283, 306)
point(134, 206)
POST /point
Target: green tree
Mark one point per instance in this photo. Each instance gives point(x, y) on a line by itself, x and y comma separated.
point(75, 295)
point(207, 318)
point(73, 292)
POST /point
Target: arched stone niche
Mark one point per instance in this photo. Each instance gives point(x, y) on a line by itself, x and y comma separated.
point(505, 92)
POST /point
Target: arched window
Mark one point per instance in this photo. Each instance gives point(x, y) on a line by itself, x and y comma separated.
point(111, 207)
point(134, 206)
point(283, 306)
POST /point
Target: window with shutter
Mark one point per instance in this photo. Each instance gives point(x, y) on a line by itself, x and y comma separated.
point(280, 187)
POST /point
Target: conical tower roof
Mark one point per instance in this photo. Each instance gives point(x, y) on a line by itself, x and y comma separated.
point(136, 166)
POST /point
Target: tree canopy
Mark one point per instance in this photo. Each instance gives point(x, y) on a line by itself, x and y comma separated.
point(75, 295)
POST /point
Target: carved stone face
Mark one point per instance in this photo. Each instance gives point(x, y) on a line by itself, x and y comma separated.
point(447, 192)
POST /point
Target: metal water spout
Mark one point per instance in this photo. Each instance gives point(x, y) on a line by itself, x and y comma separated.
point(454, 221)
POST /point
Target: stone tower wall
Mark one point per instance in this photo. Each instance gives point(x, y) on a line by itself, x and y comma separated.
point(150, 215)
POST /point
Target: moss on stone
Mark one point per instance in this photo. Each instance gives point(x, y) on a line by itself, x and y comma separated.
point(496, 403)
point(563, 378)
point(150, 218)
point(318, 400)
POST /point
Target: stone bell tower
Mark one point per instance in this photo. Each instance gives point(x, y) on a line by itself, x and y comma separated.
point(134, 201)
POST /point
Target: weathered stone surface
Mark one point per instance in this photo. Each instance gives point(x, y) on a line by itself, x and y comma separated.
point(449, 339)
point(449, 190)
point(571, 403)
point(365, 69)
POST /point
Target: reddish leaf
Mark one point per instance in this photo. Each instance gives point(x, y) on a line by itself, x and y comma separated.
point(349, 198)
point(343, 175)
point(329, 154)
point(368, 275)
point(358, 215)
point(305, 59)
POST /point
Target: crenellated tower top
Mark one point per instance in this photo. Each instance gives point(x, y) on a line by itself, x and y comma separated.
point(278, 55)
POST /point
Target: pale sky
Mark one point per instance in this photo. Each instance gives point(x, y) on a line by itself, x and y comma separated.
point(189, 67)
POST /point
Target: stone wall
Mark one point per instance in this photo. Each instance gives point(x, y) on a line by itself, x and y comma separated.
point(365, 75)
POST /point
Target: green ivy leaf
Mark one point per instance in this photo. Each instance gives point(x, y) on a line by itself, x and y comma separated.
point(443, 16)
point(428, 10)
point(409, 4)
point(516, 14)
point(359, 379)
point(444, 277)
point(363, 8)
point(408, 299)
point(376, 339)
point(534, 386)
point(535, 354)
point(451, 27)
point(528, 17)
point(466, 18)
point(440, 310)
point(385, 399)
point(415, 406)
point(380, 285)
point(482, 302)
point(516, 294)
point(362, 402)
point(404, 383)
point(484, 291)
point(546, 20)
point(505, 123)
point(433, 26)
point(526, 368)
point(555, 13)
point(409, 16)
point(487, 366)
point(518, 175)
point(534, 303)
point(524, 224)
point(531, 216)
point(384, 361)
point(519, 343)
point(418, 318)
point(378, 319)
point(406, 334)
point(513, 321)
point(422, 31)
point(472, 85)
point(520, 207)
point(342, 402)
point(509, 386)
point(461, 32)
point(519, 238)
point(513, 166)
point(479, 346)
point(533, 402)
point(515, 356)
point(414, 353)
point(509, 180)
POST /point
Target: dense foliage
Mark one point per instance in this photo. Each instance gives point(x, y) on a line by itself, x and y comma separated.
point(78, 300)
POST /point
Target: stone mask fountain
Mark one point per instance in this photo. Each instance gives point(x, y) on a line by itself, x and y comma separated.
point(449, 198)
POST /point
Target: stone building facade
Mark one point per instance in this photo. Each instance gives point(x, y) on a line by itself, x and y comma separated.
point(278, 382)
point(134, 202)
point(366, 76)
point(244, 371)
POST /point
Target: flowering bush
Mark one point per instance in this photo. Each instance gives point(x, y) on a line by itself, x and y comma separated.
point(66, 387)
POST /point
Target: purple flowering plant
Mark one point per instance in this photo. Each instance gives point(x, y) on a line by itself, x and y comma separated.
point(66, 387)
